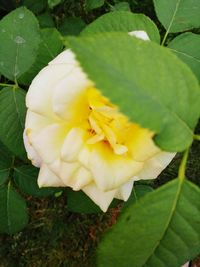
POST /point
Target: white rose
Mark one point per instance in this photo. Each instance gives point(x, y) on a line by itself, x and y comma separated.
point(78, 138)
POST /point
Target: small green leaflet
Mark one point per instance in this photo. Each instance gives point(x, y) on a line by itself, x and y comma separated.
point(26, 176)
point(148, 83)
point(178, 15)
point(187, 47)
point(72, 26)
point(92, 4)
point(5, 163)
point(19, 38)
point(161, 229)
point(13, 210)
point(12, 117)
point(123, 21)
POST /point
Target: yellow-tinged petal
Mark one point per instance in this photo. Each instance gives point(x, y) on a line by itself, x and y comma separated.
point(102, 199)
point(31, 153)
point(47, 178)
point(140, 143)
point(72, 144)
point(125, 191)
point(70, 96)
point(81, 178)
point(35, 122)
point(48, 142)
point(64, 170)
point(109, 170)
point(155, 165)
point(39, 96)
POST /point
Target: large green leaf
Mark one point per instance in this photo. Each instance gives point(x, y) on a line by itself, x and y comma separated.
point(123, 21)
point(13, 211)
point(161, 229)
point(187, 47)
point(26, 178)
point(19, 38)
point(50, 47)
point(12, 116)
point(149, 84)
point(178, 15)
point(5, 163)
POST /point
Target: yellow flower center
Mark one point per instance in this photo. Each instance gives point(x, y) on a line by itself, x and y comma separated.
point(105, 123)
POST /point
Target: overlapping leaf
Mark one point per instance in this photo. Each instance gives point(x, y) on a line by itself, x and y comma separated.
point(123, 21)
point(161, 229)
point(148, 83)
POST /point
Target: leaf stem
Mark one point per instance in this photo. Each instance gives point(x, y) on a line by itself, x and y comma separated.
point(182, 167)
point(197, 137)
point(7, 84)
point(164, 38)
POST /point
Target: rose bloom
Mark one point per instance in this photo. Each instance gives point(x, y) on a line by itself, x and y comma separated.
point(79, 139)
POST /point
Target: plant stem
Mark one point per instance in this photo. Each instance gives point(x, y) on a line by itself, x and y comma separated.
point(182, 167)
point(7, 84)
point(197, 137)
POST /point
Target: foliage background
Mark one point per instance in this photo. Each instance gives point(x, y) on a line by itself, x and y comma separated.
point(55, 236)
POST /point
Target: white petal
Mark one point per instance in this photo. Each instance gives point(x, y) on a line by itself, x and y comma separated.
point(66, 57)
point(102, 199)
point(69, 98)
point(65, 170)
point(125, 191)
point(110, 170)
point(72, 144)
point(81, 178)
point(39, 96)
point(48, 142)
point(154, 166)
point(140, 35)
point(48, 178)
point(31, 153)
point(35, 122)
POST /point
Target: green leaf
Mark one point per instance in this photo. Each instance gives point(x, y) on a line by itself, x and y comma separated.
point(92, 4)
point(5, 163)
point(50, 47)
point(122, 6)
point(12, 117)
point(46, 20)
point(137, 192)
point(72, 26)
point(187, 47)
point(13, 211)
point(123, 21)
point(79, 202)
point(161, 229)
point(19, 38)
point(144, 80)
point(35, 6)
point(178, 15)
point(26, 178)
point(53, 3)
